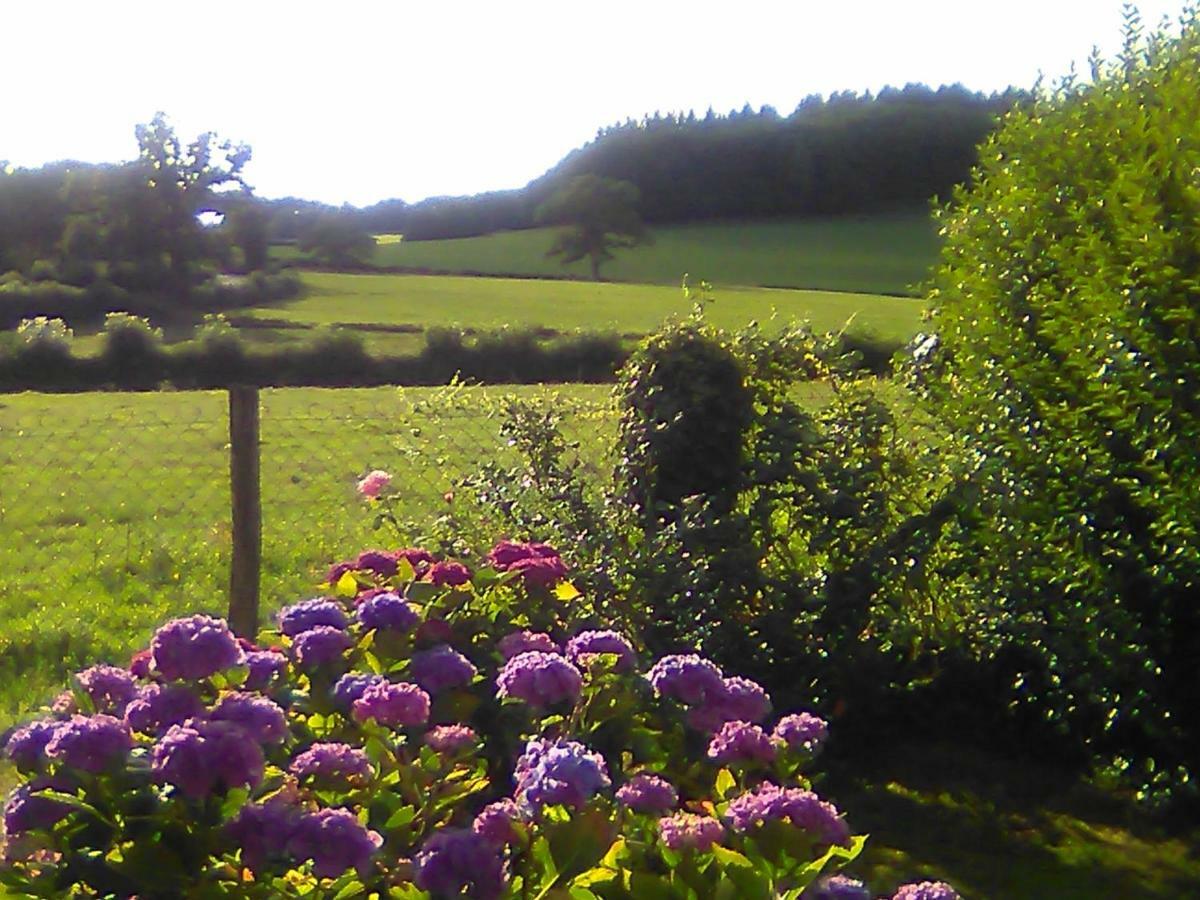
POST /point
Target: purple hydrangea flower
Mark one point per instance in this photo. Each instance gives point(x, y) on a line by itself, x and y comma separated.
point(419, 559)
point(26, 746)
point(688, 831)
point(741, 742)
point(550, 773)
point(194, 647)
point(201, 757)
point(804, 809)
point(741, 700)
point(308, 614)
point(451, 738)
point(25, 811)
point(523, 641)
point(538, 564)
point(926, 890)
point(90, 743)
point(320, 646)
point(259, 717)
point(387, 611)
point(441, 668)
point(381, 562)
point(540, 679)
point(495, 822)
point(688, 678)
point(351, 686)
point(837, 887)
point(648, 793)
point(265, 666)
point(262, 832)
point(109, 687)
point(449, 573)
point(802, 731)
point(588, 644)
point(506, 553)
point(157, 707)
point(400, 704)
point(332, 763)
point(335, 841)
point(457, 862)
point(140, 663)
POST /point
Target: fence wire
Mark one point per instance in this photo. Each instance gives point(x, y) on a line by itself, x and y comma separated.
point(115, 507)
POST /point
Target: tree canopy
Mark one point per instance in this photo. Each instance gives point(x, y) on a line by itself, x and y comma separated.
point(596, 216)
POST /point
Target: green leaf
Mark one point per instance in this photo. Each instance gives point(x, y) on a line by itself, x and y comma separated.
point(566, 591)
point(724, 784)
point(728, 857)
point(347, 586)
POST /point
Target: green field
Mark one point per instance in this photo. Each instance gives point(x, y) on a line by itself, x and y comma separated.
point(885, 254)
point(424, 301)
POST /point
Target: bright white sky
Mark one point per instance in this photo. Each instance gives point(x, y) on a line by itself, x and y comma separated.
point(356, 101)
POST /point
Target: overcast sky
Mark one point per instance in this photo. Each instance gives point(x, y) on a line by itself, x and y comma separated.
point(356, 101)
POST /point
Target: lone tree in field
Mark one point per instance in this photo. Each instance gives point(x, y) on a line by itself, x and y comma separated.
point(597, 215)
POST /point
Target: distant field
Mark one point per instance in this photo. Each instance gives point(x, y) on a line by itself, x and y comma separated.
point(886, 254)
point(487, 303)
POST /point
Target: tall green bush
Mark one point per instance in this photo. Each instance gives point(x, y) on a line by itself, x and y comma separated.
point(1065, 369)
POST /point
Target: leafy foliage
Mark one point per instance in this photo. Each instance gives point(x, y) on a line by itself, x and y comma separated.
point(1063, 368)
point(597, 215)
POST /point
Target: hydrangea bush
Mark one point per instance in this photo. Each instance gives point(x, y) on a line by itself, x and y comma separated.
point(414, 734)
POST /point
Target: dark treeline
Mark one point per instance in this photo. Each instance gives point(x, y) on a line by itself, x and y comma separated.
point(845, 154)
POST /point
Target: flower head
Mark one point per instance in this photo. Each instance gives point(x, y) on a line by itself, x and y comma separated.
point(688, 831)
point(741, 742)
point(26, 811)
point(495, 822)
point(90, 743)
point(109, 687)
point(320, 646)
point(419, 559)
point(400, 704)
point(140, 662)
point(441, 668)
point(335, 841)
point(926, 890)
point(451, 738)
point(308, 614)
point(804, 809)
point(194, 647)
point(351, 686)
point(687, 678)
point(261, 718)
point(507, 553)
point(387, 611)
point(540, 679)
point(261, 831)
point(265, 666)
point(550, 773)
point(802, 731)
point(457, 862)
point(201, 757)
point(740, 699)
point(448, 573)
point(372, 485)
point(587, 645)
point(157, 707)
point(332, 764)
point(648, 793)
point(380, 562)
point(26, 746)
point(523, 641)
point(837, 887)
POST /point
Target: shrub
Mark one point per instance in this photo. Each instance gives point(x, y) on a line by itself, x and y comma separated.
point(1064, 367)
point(417, 740)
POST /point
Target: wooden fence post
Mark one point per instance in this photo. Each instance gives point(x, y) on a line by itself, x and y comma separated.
point(247, 511)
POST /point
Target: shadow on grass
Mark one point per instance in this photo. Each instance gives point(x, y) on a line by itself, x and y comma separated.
point(999, 830)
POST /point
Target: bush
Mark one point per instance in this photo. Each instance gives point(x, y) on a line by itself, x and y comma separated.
point(1064, 370)
point(428, 732)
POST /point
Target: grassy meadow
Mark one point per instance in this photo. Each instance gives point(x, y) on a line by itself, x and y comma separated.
point(882, 254)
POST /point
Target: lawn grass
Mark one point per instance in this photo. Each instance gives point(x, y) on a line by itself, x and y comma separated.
point(884, 254)
point(633, 309)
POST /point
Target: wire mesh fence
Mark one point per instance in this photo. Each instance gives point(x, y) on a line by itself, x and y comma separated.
point(115, 507)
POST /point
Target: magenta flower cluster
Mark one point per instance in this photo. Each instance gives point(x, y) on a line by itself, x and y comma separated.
point(538, 565)
point(387, 611)
point(553, 773)
point(524, 641)
point(194, 648)
point(331, 763)
point(588, 645)
point(451, 738)
point(457, 862)
point(648, 794)
point(308, 614)
point(688, 831)
point(540, 679)
point(741, 742)
point(201, 757)
point(401, 704)
point(926, 890)
point(803, 809)
point(441, 669)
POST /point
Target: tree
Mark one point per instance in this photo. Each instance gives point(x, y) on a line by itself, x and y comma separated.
point(1068, 320)
point(337, 240)
point(597, 215)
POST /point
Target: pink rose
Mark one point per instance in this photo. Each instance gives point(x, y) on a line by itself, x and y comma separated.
point(371, 486)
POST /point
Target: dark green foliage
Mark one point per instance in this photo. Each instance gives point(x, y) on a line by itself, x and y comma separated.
point(597, 216)
point(1068, 317)
point(338, 241)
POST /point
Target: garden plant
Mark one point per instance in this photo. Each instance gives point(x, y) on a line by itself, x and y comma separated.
point(424, 730)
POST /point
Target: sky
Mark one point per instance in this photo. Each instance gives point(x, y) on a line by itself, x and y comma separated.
point(358, 101)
